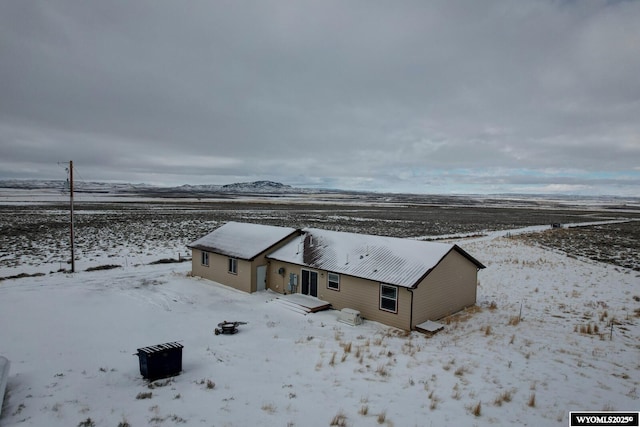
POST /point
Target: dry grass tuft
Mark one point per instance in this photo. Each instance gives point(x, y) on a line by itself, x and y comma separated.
point(339, 420)
point(505, 396)
point(460, 371)
point(476, 409)
point(487, 330)
point(382, 417)
point(269, 408)
point(493, 305)
point(514, 321)
point(364, 410)
point(358, 352)
point(463, 316)
point(588, 329)
point(532, 400)
point(332, 361)
point(382, 370)
point(144, 395)
point(347, 347)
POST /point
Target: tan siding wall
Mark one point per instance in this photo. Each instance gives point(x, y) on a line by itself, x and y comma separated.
point(218, 271)
point(275, 281)
point(449, 288)
point(358, 294)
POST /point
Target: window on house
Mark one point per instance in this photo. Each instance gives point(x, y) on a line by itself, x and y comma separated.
point(389, 298)
point(205, 258)
point(333, 281)
point(233, 265)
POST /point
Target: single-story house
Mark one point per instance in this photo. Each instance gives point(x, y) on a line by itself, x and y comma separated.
point(234, 254)
point(398, 282)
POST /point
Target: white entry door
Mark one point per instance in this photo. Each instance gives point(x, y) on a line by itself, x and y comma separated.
point(261, 278)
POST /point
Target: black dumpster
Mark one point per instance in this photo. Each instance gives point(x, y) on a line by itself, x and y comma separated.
point(160, 361)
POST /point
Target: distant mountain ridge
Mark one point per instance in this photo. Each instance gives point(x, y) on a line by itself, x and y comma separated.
point(269, 187)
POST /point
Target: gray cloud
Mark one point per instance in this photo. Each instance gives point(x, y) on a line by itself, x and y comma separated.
point(365, 95)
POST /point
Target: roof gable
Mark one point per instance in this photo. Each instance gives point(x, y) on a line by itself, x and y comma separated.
point(402, 262)
point(242, 240)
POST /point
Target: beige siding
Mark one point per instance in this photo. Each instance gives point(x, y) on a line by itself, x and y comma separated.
point(358, 294)
point(449, 288)
point(218, 271)
point(279, 282)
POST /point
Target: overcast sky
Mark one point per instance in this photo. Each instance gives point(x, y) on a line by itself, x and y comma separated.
point(435, 96)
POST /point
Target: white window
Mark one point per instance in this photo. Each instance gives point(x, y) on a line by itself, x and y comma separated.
point(389, 298)
point(233, 266)
point(205, 258)
point(333, 281)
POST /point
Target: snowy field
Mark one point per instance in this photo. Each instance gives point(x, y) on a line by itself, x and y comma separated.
point(550, 334)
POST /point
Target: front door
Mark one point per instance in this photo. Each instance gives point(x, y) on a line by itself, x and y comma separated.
point(261, 278)
point(309, 283)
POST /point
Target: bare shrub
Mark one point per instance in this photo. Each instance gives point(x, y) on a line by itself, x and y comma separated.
point(87, 423)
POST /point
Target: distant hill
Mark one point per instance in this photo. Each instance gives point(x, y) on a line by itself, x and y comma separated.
point(258, 186)
point(267, 187)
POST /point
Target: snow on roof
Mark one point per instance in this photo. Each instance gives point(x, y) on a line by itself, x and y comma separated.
point(242, 240)
point(392, 260)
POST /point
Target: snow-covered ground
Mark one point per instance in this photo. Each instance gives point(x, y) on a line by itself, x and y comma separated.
point(538, 345)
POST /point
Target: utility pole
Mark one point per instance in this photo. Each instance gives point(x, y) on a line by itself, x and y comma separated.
point(73, 260)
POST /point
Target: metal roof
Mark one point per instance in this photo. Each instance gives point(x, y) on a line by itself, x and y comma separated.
point(402, 262)
point(242, 240)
